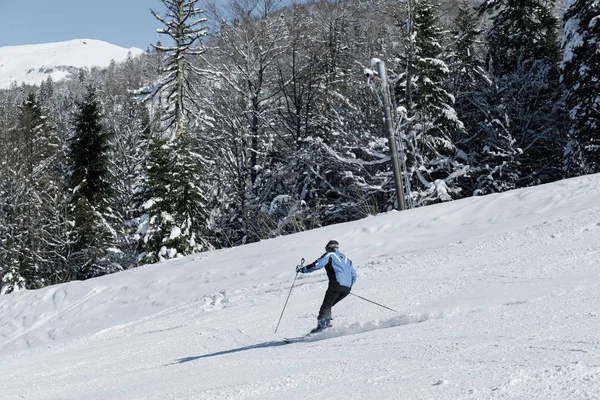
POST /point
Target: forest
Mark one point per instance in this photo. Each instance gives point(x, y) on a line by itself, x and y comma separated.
point(255, 120)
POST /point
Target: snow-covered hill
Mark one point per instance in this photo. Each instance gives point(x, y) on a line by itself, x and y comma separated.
point(32, 64)
point(498, 297)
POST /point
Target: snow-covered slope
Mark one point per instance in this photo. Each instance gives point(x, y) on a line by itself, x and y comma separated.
point(497, 297)
point(33, 63)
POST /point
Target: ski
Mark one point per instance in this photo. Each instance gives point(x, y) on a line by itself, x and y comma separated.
point(297, 339)
point(306, 338)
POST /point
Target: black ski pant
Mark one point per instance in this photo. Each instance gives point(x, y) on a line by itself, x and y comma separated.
point(333, 295)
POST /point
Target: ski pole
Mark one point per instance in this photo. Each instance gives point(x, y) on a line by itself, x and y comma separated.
point(380, 305)
point(286, 301)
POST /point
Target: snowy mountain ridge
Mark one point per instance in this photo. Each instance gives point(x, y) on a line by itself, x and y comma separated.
point(496, 298)
point(32, 64)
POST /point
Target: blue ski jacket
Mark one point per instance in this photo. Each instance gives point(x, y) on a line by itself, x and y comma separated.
point(339, 268)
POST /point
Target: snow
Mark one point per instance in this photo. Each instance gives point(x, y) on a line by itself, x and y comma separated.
point(32, 64)
point(175, 233)
point(572, 39)
point(497, 297)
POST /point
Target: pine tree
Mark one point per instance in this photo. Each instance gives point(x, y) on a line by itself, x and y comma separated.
point(523, 32)
point(174, 219)
point(56, 228)
point(26, 176)
point(12, 281)
point(127, 120)
point(580, 72)
point(172, 201)
point(129, 125)
point(12, 196)
point(185, 25)
point(46, 90)
point(38, 145)
point(432, 162)
point(88, 182)
point(487, 144)
point(466, 66)
point(522, 61)
point(468, 84)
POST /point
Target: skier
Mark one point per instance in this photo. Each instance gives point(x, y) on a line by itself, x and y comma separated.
point(341, 276)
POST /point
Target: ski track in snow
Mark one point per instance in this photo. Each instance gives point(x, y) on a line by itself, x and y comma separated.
point(498, 298)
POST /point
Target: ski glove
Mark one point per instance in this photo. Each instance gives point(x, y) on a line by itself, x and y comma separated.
point(300, 268)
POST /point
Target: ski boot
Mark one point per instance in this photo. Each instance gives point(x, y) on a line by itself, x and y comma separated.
point(322, 325)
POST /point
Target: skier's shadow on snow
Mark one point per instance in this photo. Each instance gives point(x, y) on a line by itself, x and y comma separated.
point(273, 343)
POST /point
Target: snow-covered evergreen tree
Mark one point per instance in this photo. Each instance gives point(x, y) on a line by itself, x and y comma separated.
point(12, 281)
point(469, 84)
point(128, 122)
point(39, 145)
point(185, 26)
point(12, 192)
point(433, 161)
point(27, 176)
point(174, 219)
point(56, 228)
point(523, 32)
point(173, 202)
point(523, 62)
point(91, 190)
point(581, 76)
point(467, 73)
point(46, 90)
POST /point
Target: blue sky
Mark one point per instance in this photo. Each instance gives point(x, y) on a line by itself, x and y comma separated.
point(126, 23)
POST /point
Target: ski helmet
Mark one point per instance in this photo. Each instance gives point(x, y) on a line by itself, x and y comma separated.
point(332, 245)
